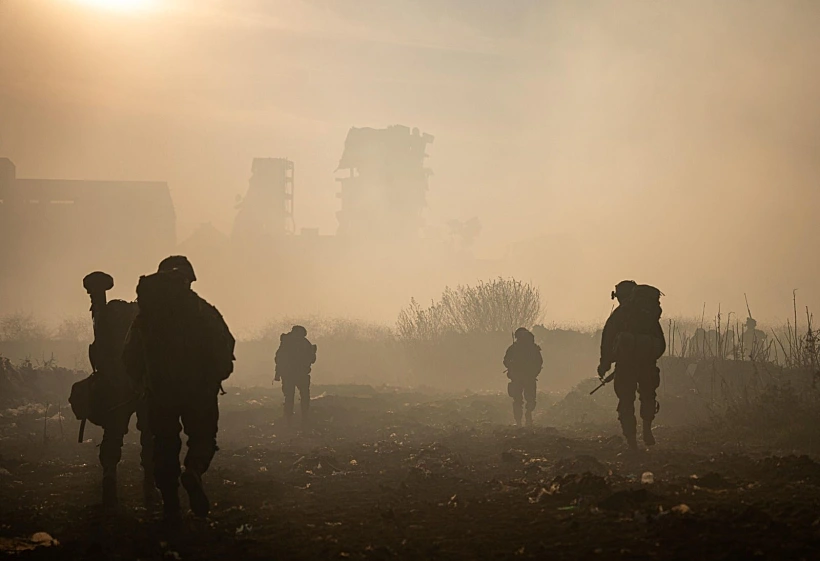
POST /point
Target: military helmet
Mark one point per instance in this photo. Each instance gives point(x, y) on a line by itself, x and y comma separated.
point(299, 330)
point(521, 332)
point(178, 263)
point(623, 289)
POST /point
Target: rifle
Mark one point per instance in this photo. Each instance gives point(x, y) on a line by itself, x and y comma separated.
point(604, 381)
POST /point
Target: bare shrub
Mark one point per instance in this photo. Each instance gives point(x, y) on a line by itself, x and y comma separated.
point(458, 341)
point(497, 306)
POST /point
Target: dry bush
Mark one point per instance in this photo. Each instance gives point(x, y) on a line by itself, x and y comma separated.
point(459, 341)
point(780, 415)
point(497, 306)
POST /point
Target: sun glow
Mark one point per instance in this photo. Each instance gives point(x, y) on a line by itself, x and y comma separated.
point(120, 5)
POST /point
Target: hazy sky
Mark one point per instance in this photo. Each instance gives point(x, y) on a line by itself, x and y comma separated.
point(677, 143)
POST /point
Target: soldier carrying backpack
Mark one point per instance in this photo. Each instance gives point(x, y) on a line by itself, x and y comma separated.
point(294, 360)
point(179, 350)
point(633, 339)
point(107, 397)
point(524, 362)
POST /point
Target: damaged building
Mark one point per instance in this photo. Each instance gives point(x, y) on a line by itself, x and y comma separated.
point(56, 230)
point(384, 189)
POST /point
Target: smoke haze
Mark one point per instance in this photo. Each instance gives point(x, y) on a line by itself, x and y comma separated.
point(673, 143)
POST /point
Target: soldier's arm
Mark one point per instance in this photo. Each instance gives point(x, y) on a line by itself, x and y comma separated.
point(278, 358)
point(608, 339)
point(133, 355)
point(659, 334)
point(508, 357)
point(222, 324)
point(277, 362)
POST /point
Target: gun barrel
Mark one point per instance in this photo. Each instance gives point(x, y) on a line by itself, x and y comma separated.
point(604, 381)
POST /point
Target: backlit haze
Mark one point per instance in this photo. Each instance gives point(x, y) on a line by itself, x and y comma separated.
point(676, 143)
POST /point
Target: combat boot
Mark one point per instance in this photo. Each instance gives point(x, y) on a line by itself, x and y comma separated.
point(171, 515)
point(528, 418)
point(517, 413)
point(192, 482)
point(648, 437)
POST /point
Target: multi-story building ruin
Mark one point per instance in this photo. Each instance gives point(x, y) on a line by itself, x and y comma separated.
point(384, 192)
point(267, 208)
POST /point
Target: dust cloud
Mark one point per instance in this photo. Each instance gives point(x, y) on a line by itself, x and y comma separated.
point(672, 142)
point(340, 164)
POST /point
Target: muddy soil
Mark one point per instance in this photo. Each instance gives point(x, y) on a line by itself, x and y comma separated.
point(411, 475)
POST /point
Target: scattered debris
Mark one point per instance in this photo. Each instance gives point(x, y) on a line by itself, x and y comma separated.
point(39, 539)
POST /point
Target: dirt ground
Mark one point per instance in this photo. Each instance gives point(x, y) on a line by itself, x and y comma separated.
point(387, 474)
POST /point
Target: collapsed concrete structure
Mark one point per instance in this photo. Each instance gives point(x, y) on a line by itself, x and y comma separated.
point(384, 192)
point(266, 211)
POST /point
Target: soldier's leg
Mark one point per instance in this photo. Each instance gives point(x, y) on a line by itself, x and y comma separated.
point(111, 454)
point(530, 392)
point(200, 419)
point(146, 450)
point(625, 386)
point(304, 396)
point(648, 384)
point(516, 391)
point(165, 428)
point(289, 390)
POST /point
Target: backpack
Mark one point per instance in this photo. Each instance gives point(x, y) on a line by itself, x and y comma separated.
point(97, 397)
point(523, 358)
point(186, 322)
point(295, 355)
point(220, 343)
point(638, 340)
point(85, 399)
